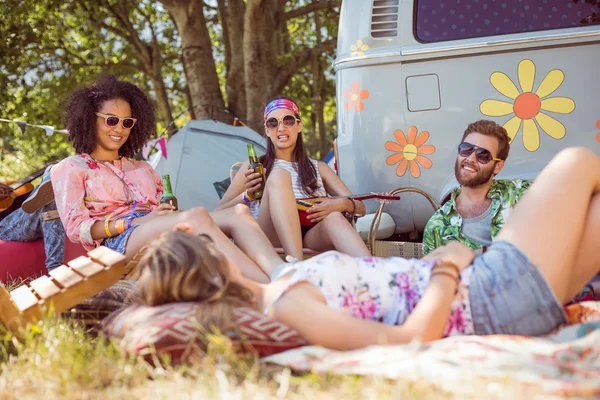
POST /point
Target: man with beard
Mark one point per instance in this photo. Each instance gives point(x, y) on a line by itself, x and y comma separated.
point(478, 209)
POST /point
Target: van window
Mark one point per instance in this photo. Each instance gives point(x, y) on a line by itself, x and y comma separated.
point(441, 20)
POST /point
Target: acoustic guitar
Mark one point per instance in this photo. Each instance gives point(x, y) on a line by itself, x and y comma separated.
point(304, 204)
point(8, 193)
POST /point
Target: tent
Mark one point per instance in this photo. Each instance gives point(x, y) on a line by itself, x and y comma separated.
point(199, 158)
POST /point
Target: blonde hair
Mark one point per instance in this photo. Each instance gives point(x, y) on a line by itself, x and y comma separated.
point(183, 267)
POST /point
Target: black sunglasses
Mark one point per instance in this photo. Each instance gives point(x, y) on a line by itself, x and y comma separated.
point(112, 121)
point(465, 149)
point(288, 121)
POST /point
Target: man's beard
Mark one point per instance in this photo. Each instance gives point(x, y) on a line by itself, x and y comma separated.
point(479, 178)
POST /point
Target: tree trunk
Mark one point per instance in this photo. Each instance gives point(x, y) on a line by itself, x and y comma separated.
point(199, 64)
point(259, 70)
point(232, 20)
point(318, 80)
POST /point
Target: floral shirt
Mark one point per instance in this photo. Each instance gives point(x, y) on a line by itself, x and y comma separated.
point(87, 191)
point(385, 290)
point(446, 224)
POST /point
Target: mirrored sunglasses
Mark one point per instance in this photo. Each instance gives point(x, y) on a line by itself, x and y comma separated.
point(112, 121)
point(288, 121)
point(483, 156)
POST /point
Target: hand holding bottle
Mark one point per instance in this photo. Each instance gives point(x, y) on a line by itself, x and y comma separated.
point(254, 182)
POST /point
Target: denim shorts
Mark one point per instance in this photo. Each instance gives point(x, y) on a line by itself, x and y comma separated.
point(509, 295)
point(119, 242)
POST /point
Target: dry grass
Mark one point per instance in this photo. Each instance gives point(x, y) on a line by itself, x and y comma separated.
point(56, 359)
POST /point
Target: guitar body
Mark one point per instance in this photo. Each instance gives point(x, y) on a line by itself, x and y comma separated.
point(13, 190)
point(6, 202)
point(304, 204)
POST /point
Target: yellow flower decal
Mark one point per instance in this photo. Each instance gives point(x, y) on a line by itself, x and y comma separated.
point(410, 152)
point(359, 48)
point(527, 105)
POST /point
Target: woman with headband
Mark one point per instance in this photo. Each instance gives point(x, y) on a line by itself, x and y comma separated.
point(290, 174)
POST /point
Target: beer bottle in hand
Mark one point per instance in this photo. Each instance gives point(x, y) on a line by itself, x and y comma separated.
point(257, 167)
point(168, 196)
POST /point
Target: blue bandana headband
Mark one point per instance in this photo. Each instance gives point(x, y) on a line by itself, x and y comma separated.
point(281, 103)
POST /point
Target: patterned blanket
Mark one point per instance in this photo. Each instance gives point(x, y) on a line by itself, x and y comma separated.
point(565, 363)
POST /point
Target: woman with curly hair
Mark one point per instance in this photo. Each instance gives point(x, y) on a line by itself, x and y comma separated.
point(104, 197)
point(537, 263)
point(290, 175)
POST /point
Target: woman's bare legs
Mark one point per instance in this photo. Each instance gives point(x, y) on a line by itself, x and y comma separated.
point(336, 233)
point(548, 224)
point(238, 223)
point(201, 222)
point(588, 256)
point(278, 216)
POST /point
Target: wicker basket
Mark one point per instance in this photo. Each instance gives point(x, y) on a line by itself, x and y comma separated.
point(387, 248)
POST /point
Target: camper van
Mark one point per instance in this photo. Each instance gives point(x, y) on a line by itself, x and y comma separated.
point(412, 74)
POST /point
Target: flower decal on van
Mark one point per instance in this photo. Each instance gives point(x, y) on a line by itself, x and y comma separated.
point(358, 49)
point(527, 105)
point(354, 97)
point(598, 135)
point(410, 152)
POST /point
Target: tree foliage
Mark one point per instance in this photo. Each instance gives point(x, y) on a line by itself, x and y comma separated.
point(221, 59)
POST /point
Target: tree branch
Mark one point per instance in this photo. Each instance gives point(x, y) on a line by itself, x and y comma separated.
point(319, 5)
point(288, 70)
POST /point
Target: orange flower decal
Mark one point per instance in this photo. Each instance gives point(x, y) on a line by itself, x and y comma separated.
point(598, 135)
point(354, 97)
point(410, 152)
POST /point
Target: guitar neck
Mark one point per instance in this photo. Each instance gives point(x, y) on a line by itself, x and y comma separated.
point(28, 178)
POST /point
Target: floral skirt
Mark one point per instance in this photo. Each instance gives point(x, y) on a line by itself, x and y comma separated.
point(119, 242)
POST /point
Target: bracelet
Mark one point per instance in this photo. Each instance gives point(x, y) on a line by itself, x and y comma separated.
point(106, 229)
point(353, 206)
point(453, 265)
point(120, 225)
point(449, 274)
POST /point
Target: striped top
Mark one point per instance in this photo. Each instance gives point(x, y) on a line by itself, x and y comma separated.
point(299, 193)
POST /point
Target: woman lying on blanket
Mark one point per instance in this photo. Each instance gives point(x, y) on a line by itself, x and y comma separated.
point(290, 174)
point(105, 197)
point(544, 255)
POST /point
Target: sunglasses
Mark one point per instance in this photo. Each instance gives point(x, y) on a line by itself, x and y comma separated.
point(465, 149)
point(288, 121)
point(112, 121)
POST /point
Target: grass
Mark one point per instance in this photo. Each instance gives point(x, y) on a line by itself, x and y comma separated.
point(56, 359)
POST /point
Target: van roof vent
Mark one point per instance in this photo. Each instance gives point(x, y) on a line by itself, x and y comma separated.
point(384, 18)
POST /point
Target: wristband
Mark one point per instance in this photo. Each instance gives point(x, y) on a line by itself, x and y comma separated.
point(130, 218)
point(106, 229)
point(120, 225)
point(247, 198)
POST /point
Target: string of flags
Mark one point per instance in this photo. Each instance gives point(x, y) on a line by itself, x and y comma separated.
point(162, 144)
point(23, 125)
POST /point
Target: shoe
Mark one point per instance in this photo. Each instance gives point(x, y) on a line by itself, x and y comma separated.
point(41, 195)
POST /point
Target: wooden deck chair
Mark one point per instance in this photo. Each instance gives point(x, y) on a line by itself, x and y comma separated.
point(63, 288)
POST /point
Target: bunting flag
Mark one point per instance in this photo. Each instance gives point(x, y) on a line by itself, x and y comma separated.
point(23, 125)
point(162, 144)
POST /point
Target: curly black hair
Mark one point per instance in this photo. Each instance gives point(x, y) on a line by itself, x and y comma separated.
point(82, 105)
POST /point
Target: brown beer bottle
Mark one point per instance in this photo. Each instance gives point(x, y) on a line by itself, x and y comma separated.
point(168, 196)
point(257, 167)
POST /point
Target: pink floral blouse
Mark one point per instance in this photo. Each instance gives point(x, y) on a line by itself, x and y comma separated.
point(87, 191)
point(379, 289)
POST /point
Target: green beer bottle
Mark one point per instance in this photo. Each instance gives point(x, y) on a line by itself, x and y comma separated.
point(257, 167)
point(168, 196)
